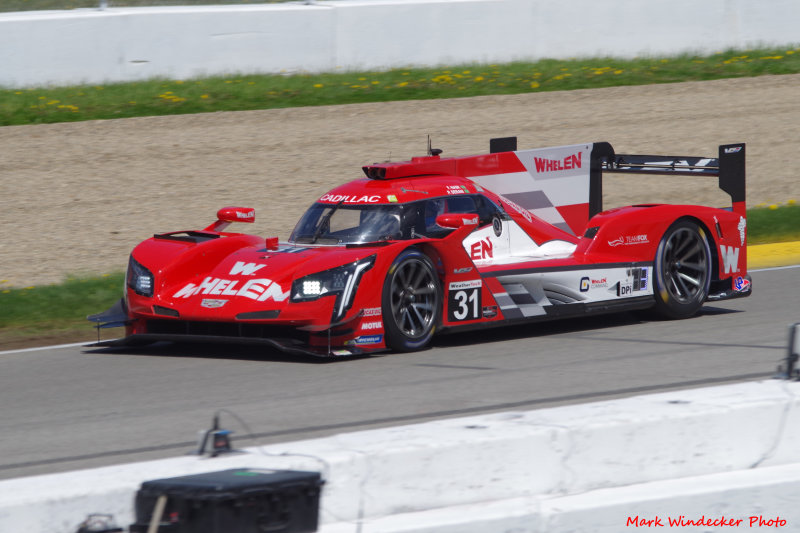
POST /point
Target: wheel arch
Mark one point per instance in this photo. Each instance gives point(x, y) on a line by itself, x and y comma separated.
point(712, 241)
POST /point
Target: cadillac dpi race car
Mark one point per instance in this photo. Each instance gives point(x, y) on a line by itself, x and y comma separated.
point(444, 244)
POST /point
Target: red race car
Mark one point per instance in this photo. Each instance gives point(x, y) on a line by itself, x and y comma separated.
point(444, 244)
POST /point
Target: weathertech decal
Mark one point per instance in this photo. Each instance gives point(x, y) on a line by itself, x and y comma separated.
point(458, 285)
point(254, 289)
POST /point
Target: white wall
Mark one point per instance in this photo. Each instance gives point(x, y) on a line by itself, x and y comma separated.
point(731, 450)
point(127, 44)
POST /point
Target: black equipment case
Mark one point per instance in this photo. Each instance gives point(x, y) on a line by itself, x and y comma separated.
point(244, 500)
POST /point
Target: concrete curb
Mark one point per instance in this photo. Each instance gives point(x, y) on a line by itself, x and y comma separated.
point(546, 470)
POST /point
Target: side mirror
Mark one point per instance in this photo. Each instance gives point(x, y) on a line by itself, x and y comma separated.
point(237, 214)
point(457, 220)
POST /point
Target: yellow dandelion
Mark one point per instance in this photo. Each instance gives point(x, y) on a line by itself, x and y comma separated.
point(534, 85)
point(318, 86)
point(6, 291)
point(791, 202)
point(402, 84)
point(478, 78)
point(618, 72)
point(773, 207)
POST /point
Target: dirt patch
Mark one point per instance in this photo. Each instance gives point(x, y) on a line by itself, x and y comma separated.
point(75, 198)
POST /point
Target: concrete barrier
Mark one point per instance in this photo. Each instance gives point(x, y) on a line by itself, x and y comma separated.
point(729, 450)
point(128, 44)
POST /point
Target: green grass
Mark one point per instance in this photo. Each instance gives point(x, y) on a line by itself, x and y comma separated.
point(56, 310)
point(60, 310)
point(236, 93)
point(773, 223)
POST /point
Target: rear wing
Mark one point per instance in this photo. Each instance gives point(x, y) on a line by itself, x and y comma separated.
point(728, 167)
point(556, 183)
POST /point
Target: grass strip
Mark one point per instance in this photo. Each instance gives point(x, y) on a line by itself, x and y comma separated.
point(237, 93)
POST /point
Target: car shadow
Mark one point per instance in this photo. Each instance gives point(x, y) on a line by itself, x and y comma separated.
point(240, 352)
point(559, 327)
point(246, 352)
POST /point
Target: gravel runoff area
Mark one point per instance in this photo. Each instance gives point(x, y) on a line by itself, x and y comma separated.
point(76, 197)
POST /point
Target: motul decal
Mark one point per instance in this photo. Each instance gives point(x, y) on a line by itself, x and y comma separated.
point(255, 289)
point(354, 199)
point(372, 325)
point(245, 269)
point(553, 165)
point(730, 258)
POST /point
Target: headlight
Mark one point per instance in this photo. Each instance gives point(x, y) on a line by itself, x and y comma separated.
point(340, 281)
point(139, 278)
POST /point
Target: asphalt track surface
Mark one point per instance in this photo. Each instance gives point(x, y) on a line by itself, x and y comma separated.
point(75, 407)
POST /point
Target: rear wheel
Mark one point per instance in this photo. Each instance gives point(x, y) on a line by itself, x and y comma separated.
point(682, 270)
point(412, 302)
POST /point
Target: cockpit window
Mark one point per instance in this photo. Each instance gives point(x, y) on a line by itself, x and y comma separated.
point(348, 224)
point(364, 223)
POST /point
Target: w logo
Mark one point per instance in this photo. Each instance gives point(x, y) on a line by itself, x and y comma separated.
point(248, 269)
point(730, 258)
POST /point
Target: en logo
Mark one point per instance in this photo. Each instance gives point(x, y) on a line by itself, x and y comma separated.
point(482, 249)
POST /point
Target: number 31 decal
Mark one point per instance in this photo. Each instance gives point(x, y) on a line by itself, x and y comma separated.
point(464, 300)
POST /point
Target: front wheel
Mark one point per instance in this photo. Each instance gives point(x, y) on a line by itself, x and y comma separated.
point(411, 303)
point(682, 270)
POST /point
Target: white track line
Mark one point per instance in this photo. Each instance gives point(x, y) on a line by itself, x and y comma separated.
point(54, 347)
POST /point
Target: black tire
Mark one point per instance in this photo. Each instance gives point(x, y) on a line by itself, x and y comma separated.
point(411, 302)
point(682, 271)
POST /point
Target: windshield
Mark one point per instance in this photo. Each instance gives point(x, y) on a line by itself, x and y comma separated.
point(363, 223)
point(349, 224)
